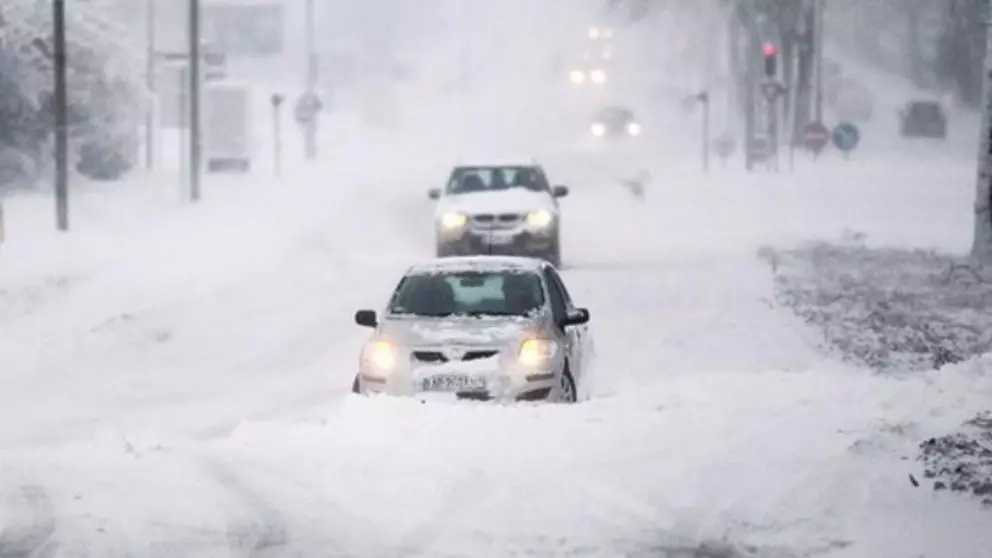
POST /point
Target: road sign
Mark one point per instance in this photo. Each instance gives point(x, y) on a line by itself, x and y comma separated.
point(724, 146)
point(846, 136)
point(815, 136)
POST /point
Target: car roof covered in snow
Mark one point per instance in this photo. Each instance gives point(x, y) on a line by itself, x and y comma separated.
point(476, 263)
point(497, 162)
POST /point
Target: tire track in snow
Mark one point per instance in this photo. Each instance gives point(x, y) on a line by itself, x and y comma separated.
point(263, 531)
point(32, 536)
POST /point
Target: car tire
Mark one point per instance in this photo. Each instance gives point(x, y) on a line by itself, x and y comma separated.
point(553, 254)
point(356, 386)
point(568, 393)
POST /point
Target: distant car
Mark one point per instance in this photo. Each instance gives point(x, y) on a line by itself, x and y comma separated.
point(923, 119)
point(594, 74)
point(615, 122)
point(482, 328)
point(499, 209)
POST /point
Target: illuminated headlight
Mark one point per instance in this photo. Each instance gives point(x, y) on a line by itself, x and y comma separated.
point(537, 352)
point(597, 76)
point(594, 33)
point(540, 219)
point(453, 220)
point(577, 77)
point(381, 356)
point(598, 129)
point(634, 129)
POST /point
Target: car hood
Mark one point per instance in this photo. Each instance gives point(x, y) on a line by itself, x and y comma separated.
point(468, 332)
point(514, 200)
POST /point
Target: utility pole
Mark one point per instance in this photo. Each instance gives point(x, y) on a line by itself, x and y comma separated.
point(194, 100)
point(150, 83)
point(61, 110)
point(818, 16)
point(311, 83)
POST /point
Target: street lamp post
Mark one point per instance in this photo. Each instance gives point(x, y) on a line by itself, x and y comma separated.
point(150, 83)
point(61, 110)
point(194, 100)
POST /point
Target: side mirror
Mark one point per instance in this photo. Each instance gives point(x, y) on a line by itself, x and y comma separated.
point(434, 194)
point(366, 318)
point(559, 191)
point(578, 316)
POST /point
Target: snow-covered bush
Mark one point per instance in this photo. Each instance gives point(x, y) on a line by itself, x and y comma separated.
point(889, 309)
point(103, 78)
point(962, 462)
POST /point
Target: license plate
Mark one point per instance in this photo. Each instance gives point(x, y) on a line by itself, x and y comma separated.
point(453, 383)
point(497, 239)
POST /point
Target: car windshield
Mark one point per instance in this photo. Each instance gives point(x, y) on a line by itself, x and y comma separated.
point(925, 111)
point(614, 115)
point(486, 179)
point(468, 293)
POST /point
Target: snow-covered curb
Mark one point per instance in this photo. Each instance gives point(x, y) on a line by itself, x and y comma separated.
point(898, 310)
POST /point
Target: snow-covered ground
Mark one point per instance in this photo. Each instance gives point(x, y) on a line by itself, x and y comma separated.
point(174, 379)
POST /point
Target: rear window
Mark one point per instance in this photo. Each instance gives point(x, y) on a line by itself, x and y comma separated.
point(926, 111)
point(468, 293)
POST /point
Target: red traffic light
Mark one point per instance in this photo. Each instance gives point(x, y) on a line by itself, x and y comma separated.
point(771, 50)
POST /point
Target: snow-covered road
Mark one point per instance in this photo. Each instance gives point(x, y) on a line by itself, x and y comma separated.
point(174, 383)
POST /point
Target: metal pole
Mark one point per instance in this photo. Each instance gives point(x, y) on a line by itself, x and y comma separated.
point(61, 117)
point(311, 83)
point(150, 84)
point(818, 4)
point(183, 132)
point(277, 134)
point(705, 97)
point(194, 100)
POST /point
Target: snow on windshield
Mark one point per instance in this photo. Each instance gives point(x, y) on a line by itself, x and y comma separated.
point(468, 293)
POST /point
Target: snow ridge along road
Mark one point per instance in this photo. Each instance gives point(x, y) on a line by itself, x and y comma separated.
point(184, 391)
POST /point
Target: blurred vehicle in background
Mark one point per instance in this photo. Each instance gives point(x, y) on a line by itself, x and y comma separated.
point(594, 74)
point(615, 122)
point(923, 119)
point(508, 209)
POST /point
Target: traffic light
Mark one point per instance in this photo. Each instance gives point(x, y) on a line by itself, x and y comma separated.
point(771, 60)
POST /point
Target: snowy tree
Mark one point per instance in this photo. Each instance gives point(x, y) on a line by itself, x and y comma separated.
point(982, 248)
point(102, 77)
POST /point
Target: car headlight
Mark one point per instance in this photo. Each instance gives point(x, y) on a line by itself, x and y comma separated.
point(598, 129)
point(578, 77)
point(634, 129)
point(597, 76)
point(536, 352)
point(594, 33)
point(453, 220)
point(540, 219)
point(381, 355)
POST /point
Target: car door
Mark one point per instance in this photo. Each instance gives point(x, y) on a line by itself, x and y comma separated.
point(561, 304)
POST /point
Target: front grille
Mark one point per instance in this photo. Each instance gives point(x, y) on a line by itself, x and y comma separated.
point(509, 218)
point(429, 356)
point(479, 355)
point(437, 357)
point(484, 218)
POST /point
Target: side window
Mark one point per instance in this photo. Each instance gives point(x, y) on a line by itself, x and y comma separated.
point(558, 303)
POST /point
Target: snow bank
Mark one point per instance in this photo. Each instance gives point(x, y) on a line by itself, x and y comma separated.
point(891, 309)
point(898, 311)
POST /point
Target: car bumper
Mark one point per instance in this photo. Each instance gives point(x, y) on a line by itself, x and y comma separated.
point(523, 243)
point(531, 385)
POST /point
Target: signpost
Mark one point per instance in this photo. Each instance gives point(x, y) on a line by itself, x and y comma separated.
point(846, 137)
point(307, 108)
point(277, 101)
point(816, 136)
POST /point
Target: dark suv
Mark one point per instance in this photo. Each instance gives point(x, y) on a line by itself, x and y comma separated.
point(923, 119)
